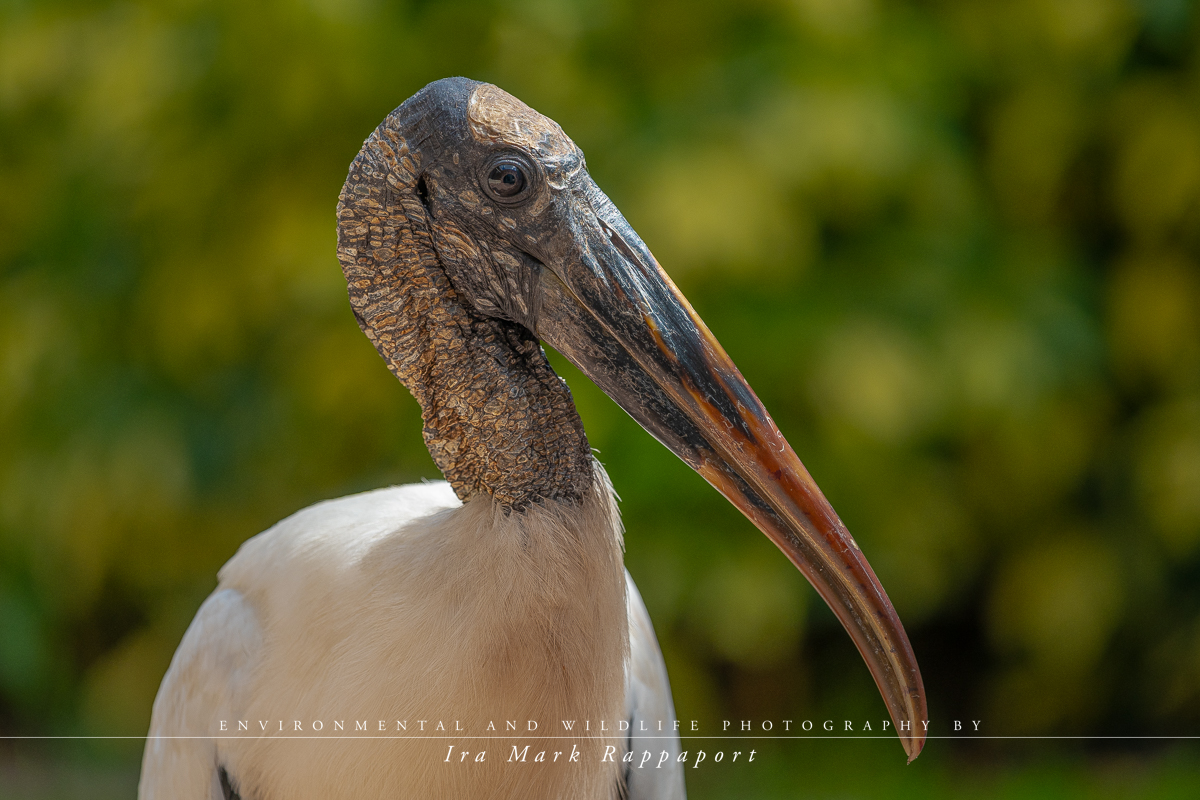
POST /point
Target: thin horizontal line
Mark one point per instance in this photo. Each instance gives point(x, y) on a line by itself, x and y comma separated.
point(535, 736)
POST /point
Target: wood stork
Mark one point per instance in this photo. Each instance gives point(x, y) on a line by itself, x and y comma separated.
point(468, 229)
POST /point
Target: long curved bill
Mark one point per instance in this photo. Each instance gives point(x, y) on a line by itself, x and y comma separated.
point(611, 310)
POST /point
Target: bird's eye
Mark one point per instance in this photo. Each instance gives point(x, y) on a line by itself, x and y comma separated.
point(506, 181)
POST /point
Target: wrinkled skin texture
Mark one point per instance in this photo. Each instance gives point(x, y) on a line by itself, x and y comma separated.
point(456, 329)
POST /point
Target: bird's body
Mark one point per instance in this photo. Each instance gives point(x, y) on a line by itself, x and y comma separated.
point(424, 616)
point(316, 618)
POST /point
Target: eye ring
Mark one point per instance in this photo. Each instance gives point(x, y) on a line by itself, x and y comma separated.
point(507, 179)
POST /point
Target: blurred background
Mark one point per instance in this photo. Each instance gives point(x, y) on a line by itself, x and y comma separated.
point(953, 244)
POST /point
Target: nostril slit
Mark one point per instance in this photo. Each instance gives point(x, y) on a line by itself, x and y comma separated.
point(423, 194)
point(621, 244)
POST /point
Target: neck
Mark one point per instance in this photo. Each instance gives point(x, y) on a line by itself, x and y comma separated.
point(498, 420)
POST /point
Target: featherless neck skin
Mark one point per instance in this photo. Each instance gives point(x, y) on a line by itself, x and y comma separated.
point(497, 419)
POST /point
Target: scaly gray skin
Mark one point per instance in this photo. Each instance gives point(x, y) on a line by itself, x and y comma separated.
point(448, 302)
point(454, 277)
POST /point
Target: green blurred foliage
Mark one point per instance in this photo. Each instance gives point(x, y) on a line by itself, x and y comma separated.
point(953, 245)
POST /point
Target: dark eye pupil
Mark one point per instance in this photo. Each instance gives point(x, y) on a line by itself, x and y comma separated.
point(506, 180)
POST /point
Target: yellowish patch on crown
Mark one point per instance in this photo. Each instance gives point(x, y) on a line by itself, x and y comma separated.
point(496, 117)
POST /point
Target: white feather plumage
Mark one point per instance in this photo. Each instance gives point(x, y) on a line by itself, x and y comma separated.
point(403, 604)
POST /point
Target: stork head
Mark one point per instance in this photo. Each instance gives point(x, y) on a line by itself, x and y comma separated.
point(466, 188)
